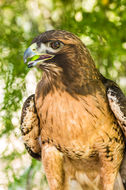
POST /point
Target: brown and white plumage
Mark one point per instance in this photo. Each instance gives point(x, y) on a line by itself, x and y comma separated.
point(30, 128)
point(81, 138)
point(117, 102)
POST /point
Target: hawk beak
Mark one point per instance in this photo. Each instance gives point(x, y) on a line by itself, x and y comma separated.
point(32, 56)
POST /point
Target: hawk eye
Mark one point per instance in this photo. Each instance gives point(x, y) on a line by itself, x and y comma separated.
point(55, 45)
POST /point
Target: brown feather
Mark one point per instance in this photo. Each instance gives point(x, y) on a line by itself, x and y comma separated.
point(30, 128)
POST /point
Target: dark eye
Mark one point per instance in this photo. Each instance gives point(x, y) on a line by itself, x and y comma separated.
point(55, 45)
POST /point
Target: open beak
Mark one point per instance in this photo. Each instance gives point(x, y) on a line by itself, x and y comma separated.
point(32, 57)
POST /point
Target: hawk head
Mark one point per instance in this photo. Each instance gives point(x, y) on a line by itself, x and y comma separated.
point(51, 47)
point(61, 53)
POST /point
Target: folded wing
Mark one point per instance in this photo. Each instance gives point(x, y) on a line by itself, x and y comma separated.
point(117, 103)
point(30, 128)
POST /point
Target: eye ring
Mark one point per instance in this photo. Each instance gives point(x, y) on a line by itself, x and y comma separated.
point(55, 44)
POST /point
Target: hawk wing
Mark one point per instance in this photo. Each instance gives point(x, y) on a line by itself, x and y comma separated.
point(30, 128)
point(117, 103)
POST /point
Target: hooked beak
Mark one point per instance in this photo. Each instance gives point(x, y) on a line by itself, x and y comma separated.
point(32, 56)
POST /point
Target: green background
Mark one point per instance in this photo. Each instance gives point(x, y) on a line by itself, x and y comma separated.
point(101, 25)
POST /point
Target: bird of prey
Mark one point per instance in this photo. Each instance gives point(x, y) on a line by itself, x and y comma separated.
point(75, 123)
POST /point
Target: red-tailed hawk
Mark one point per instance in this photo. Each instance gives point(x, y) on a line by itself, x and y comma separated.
point(76, 117)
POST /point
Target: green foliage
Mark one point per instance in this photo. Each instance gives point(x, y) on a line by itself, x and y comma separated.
point(25, 181)
point(99, 24)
